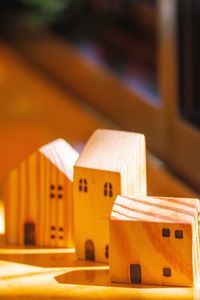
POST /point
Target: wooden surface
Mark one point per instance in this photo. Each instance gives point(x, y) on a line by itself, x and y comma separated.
point(35, 111)
point(38, 197)
point(137, 239)
point(112, 163)
point(50, 274)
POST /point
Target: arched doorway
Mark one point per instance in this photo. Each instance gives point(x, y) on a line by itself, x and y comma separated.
point(89, 250)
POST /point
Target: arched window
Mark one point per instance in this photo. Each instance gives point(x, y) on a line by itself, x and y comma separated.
point(107, 251)
point(83, 186)
point(108, 189)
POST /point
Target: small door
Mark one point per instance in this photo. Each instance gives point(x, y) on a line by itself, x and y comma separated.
point(135, 273)
point(89, 250)
point(29, 234)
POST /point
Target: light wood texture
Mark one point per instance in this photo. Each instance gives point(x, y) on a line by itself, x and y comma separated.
point(36, 194)
point(57, 274)
point(111, 163)
point(155, 241)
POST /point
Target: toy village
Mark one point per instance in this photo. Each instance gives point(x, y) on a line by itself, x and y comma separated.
point(98, 203)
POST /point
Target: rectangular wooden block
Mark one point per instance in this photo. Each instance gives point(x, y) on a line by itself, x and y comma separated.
point(154, 241)
point(111, 163)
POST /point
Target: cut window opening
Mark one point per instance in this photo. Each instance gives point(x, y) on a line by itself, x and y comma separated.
point(60, 187)
point(52, 187)
point(167, 272)
point(52, 196)
point(166, 232)
point(83, 185)
point(179, 234)
point(107, 251)
point(52, 236)
point(108, 189)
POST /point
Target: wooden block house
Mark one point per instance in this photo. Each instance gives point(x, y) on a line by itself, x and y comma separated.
point(111, 163)
point(155, 241)
point(38, 198)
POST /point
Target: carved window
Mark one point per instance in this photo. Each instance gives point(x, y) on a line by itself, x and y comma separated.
point(52, 191)
point(166, 232)
point(56, 232)
point(108, 189)
point(167, 272)
point(56, 191)
point(107, 251)
point(83, 185)
point(179, 234)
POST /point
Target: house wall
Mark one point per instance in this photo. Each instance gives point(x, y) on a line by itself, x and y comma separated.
point(92, 210)
point(28, 199)
point(133, 242)
point(134, 173)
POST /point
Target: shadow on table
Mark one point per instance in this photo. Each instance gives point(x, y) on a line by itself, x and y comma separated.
point(99, 276)
point(46, 258)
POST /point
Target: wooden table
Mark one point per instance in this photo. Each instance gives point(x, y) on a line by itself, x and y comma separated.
point(34, 110)
point(55, 274)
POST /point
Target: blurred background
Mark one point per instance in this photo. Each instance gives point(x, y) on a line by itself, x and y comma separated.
point(68, 67)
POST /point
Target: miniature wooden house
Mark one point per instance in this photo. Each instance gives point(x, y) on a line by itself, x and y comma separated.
point(111, 163)
point(154, 241)
point(38, 198)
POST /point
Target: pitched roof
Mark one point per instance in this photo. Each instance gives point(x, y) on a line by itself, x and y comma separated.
point(110, 150)
point(62, 155)
point(155, 209)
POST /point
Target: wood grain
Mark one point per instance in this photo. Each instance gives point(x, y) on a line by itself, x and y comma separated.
point(112, 162)
point(36, 194)
point(156, 234)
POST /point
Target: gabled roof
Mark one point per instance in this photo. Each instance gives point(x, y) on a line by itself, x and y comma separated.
point(110, 150)
point(62, 155)
point(155, 209)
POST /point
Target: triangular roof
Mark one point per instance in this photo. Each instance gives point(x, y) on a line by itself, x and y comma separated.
point(109, 150)
point(62, 155)
point(155, 209)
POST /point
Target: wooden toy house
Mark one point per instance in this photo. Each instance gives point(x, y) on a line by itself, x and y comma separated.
point(111, 163)
point(154, 241)
point(38, 198)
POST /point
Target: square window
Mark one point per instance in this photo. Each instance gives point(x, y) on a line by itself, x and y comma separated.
point(167, 272)
point(179, 234)
point(166, 232)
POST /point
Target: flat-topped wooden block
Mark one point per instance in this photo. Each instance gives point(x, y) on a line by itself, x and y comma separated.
point(38, 198)
point(155, 241)
point(111, 163)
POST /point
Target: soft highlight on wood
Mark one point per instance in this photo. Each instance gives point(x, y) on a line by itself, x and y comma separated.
point(111, 163)
point(39, 198)
point(160, 239)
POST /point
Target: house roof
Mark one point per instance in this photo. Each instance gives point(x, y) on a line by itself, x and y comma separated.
point(110, 150)
point(155, 209)
point(62, 155)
